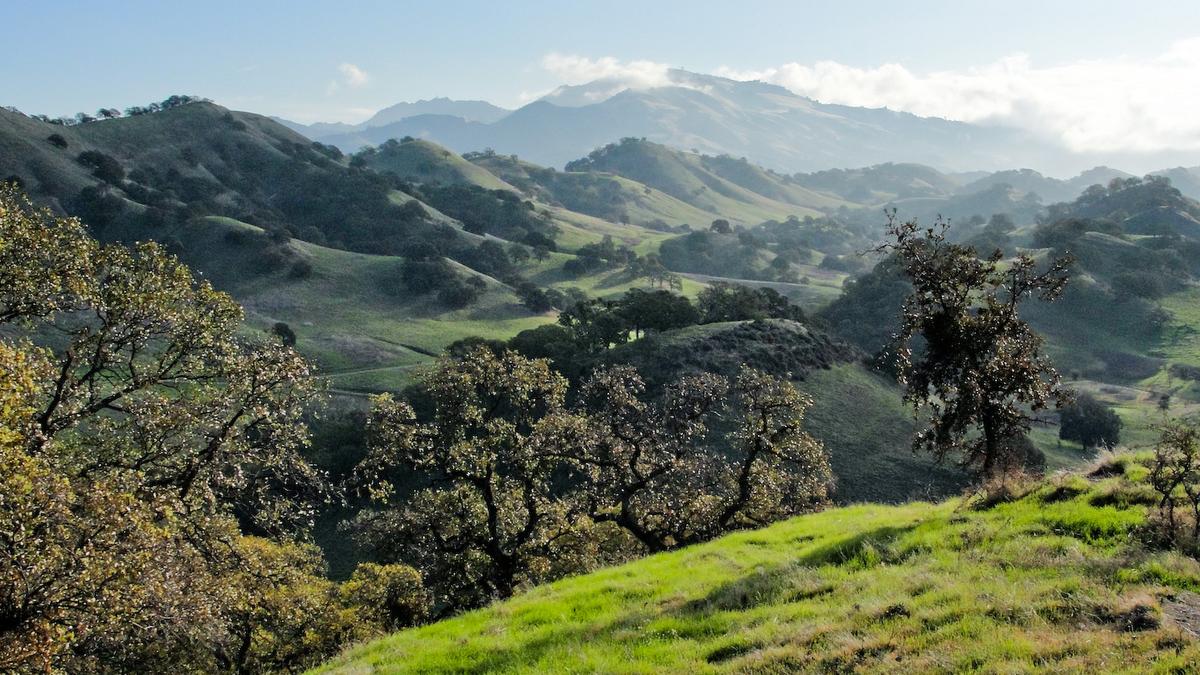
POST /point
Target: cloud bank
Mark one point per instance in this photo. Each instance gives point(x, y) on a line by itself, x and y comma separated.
point(1119, 104)
point(575, 70)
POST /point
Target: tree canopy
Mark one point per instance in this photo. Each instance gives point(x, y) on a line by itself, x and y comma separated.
point(980, 366)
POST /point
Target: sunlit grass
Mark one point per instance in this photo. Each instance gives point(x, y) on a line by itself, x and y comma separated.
point(1046, 582)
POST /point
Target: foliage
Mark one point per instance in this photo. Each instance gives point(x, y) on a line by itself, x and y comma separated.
point(733, 302)
point(103, 167)
point(1175, 476)
point(498, 212)
point(518, 487)
point(981, 366)
point(141, 436)
point(1089, 422)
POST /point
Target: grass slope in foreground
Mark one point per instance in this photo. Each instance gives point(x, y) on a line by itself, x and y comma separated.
point(1053, 580)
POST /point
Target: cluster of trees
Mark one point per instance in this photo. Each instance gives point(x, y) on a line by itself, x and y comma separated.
point(588, 329)
point(516, 486)
point(498, 212)
point(154, 494)
point(597, 256)
point(423, 275)
point(173, 101)
point(768, 251)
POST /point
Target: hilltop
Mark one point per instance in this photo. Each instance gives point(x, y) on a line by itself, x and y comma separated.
point(732, 187)
point(1050, 575)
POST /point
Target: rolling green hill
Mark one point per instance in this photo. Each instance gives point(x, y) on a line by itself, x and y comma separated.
point(425, 162)
point(1052, 579)
point(293, 232)
point(351, 313)
point(735, 189)
point(603, 195)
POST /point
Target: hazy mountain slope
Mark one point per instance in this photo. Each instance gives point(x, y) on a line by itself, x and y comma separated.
point(1054, 579)
point(1049, 189)
point(472, 111)
point(714, 115)
point(1184, 179)
point(881, 183)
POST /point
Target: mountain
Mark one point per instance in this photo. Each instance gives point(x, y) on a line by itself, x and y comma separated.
point(714, 115)
point(467, 111)
point(733, 188)
point(1050, 576)
point(881, 183)
point(472, 111)
point(1185, 179)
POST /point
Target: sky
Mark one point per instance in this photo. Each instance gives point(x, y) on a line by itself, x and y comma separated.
point(1096, 74)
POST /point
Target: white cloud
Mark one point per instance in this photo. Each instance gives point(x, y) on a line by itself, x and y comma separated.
point(572, 69)
point(353, 76)
point(1113, 104)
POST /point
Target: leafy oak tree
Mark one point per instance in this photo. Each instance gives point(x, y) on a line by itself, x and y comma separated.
point(487, 517)
point(980, 370)
point(652, 471)
point(142, 440)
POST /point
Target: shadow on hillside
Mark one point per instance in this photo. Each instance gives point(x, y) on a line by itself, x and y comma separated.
point(795, 581)
point(798, 579)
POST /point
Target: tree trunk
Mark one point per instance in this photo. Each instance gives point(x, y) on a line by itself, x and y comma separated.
point(990, 446)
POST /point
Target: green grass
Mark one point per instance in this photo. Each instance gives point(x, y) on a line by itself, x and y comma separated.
point(352, 316)
point(425, 162)
point(737, 191)
point(1052, 581)
point(867, 429)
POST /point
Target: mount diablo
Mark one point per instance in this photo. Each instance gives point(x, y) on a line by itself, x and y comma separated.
point(766, 123)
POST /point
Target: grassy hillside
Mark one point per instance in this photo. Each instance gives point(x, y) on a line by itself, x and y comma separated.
point(425, 162)
point(1052, 580)
point(602, 195)
point(351, 314)
point(714, 184)
point(880, 184)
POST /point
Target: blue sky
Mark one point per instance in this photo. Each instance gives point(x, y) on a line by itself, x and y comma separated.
point(338, 61)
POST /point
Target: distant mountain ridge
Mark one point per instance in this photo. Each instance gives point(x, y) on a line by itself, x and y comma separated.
point(766, 123)
point(468, 111)
point(713, 115)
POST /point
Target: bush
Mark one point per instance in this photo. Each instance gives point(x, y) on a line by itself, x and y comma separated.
point(458, 294)
point(285, 333)
point(103, 167)
point(57, 140)
point(426, 276)
point(1089, 422)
